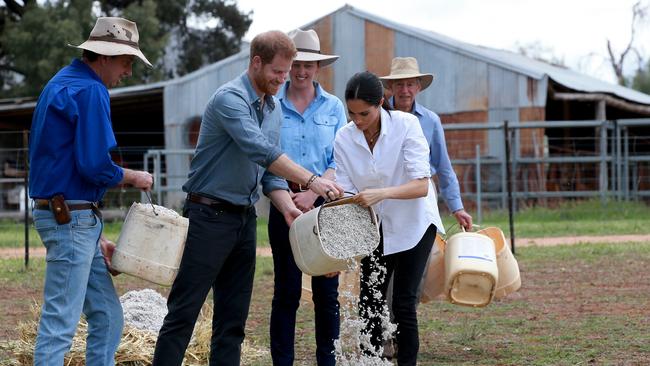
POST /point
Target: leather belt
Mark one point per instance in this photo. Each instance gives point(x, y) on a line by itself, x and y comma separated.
point(217, 204)
point(295, 187)
point(41, 204)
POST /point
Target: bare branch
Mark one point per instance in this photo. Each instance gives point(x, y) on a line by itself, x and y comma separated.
point(15, 7)
point(639, 13)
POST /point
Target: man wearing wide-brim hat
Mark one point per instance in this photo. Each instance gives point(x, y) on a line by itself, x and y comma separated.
point(70, 169)
point(311, 118)
point(405, 82)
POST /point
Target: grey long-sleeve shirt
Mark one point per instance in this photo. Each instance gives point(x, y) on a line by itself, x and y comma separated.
point(237, 141)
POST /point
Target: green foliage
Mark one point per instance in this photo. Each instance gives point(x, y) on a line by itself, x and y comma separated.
point(36, 45)
point(222, 40)
point(33, 37)
point(152, 42)
point(641, 79)
point(205, 30)
point(570, 218)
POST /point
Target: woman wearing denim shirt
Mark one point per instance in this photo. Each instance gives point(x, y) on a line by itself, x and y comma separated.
point(311, 119)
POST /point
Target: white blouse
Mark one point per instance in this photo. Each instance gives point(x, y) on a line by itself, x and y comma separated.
point(401, 154)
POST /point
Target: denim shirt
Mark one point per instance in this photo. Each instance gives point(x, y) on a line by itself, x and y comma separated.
point(308, 138)
point(71, 137)
point(438, 156)
point(238, 139)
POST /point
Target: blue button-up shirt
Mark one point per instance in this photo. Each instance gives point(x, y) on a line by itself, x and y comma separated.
point(308, 138)
point(71, 137)
point(239, 137)
point(439, 157)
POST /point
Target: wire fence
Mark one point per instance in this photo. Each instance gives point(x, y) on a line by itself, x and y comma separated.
point(549, 162)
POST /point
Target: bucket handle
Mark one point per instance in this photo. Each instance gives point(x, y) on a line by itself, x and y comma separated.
point(342, 200)
point(151, 202)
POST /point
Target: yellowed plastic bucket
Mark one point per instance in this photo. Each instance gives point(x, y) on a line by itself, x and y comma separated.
point(434, 275)
point(307, 248)
point(151, 246)
point(471, 273)
point(509, 277)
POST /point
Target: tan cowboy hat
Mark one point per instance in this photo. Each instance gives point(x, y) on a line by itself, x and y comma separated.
point(406, 68)
point(114, 37)
point(308, 46)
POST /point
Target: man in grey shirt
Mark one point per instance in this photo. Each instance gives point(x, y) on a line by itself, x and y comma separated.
point(238, 146)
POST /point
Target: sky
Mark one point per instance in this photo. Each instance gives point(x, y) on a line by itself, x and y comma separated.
point(574, 31)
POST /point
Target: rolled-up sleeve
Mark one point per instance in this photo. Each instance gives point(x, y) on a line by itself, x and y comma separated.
point(234, 113)
point(95, 139)
point(272, 182)
point(342, 174)
point(416, 151)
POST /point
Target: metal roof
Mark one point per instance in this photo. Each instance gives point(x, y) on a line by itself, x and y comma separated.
point(510, 60)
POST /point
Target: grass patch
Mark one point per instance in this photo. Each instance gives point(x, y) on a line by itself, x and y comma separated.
point(570, 218)
point(578, 305)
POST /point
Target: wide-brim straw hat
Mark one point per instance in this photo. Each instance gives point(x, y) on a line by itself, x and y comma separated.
point(406, 68)
point(113, 36)
point(308, 46)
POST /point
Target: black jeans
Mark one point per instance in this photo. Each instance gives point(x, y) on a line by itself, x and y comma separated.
point(286, 299)
point(407, 268)
point(219, 254)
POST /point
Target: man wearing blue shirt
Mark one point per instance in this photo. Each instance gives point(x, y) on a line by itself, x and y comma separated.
point(405, 82)
point(70, 170)
point(238, 146)
point(311, 118)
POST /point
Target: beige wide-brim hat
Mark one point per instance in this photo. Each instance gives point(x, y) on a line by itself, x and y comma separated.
point(308, 46)
point(113, 37)
point(406, 68)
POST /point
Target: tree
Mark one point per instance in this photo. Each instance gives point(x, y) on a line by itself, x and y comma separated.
point(205, 31)
point(618, 60)
point(641, 79)
point(33, 37)
point(35, 43)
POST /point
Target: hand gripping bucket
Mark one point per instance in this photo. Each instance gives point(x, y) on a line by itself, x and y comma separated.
point(509, 277)
point(471, 273)
point(151, 246)
point(307, 246)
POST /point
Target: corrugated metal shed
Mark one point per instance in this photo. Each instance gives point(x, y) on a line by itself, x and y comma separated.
point(507, 60)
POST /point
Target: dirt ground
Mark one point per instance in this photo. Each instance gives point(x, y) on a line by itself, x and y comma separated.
point(38, 252)
point(553, 294)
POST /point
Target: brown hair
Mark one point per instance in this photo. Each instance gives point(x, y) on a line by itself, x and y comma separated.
point(268, 44)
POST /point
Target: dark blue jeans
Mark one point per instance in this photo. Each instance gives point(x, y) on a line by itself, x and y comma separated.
point(286, 299)
point(408, 268)
point(219, 254)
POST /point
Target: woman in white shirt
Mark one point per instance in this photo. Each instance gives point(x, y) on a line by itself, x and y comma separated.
point(384, 157)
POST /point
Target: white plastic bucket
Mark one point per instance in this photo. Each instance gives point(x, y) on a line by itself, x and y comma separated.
point(307, 248)
point(471, 272)
point(151, 246)
point(433, 281)
point(509, 277)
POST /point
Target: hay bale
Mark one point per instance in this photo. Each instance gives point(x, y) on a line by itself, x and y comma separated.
point(136, 347)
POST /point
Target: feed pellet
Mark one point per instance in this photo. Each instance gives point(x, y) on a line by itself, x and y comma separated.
point(144, 309)
point(347, 231)
point(160, 211)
